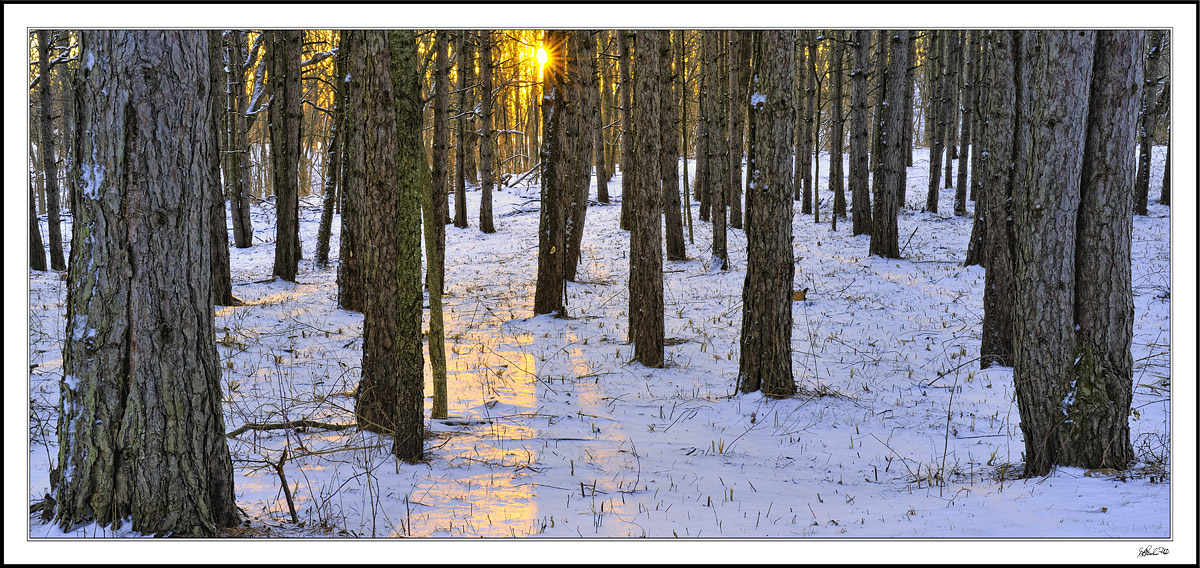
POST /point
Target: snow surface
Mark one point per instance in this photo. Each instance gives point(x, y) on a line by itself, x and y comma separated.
point(554, 433)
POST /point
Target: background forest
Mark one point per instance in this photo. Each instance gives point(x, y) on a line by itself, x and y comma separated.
point(625, 283)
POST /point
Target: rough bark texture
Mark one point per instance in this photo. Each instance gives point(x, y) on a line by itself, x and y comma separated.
point(352, 283)
point(940, 110)
point(885, 234)
point(470, 138)
point(738, 63)
point(704, 155)
point(47, 153)
point(333, 162)
point(625, 95)
point(1055, 74)
point(141, 432)
point(954, 53)
point(556, 175)
point(669, 152)
point(1097, 431)
point(766, 339)
point(599, 114)
point(979, 164)
point(998, 178)
point(239, 155)
point(837, 135)
point(579, 130)
point(964, 139)
point(718, 145)
point(877, 120)
point(222, 286)
point(487, 139)
point(645, 236)
point(909, 86)
point(441, 155)
point(1147, 116)
point(860, 190)
point(804, 159)
point(460, 144)
point(285, 149)
point(37, 249)
point(816, 130)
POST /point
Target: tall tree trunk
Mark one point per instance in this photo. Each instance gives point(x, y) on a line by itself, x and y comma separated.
point(885, 234)
point(1055, 74)
point(141, 431)
point(954, 57)
point(352, 273)
point(333, 161)
point(669, 151)
point(460, 144)
point(837, 136)
point(285, 149)
point(599, 113)
point(981, 133)
point(37, 249)
point(580, 126)
point(222, 286)
point(718, 170)
point(625, 86)
point(471, 137)
point(738, 63)
point(960, 188)
point(704, 154)
point(877, 120)
point(549, 295)
point(1097, 432)
point(683, 91)
point(47, 153)
point(816, 131)
point(860, 190)
point(938, 118)
point(805, 149)
point(441, 156)
point(909, 82)
point(766, 339)
point(239, 148)
point(645, 235)
point(1141, 188)
point(487, 140)
point(999, 179)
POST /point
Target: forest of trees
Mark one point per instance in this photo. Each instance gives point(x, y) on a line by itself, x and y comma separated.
point(144, 138)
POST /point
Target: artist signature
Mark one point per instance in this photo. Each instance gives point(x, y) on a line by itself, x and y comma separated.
point(1152, 551)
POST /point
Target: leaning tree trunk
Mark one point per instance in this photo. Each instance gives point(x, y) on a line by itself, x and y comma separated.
point(645, 235)
point(285, 149)
point(998, 179)
point(141, 431)
point(487, 138)
point(1097, 426)
point(47, 153)
point(766, 340)
point(1056, 71)
point(550, 290)
point(352, 251)
point(885, 238)
point(860, 191)
point(1141, 188)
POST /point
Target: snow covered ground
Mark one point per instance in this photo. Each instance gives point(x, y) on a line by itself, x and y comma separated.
point(896, 432)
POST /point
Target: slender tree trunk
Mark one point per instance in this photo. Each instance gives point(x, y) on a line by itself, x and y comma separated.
point(766, 339)
point(683, 90)
point(598, 116)
point(877, 120)
point(999, 182)
point(1097, 426)
point(285, 149)
point(954, 57)
point(239, 156)
point(580, 125)
point(471, 137)
point(816, 131)
point(980, 134)
point(333, 162)
point(352, 273)
point(860, 190)
point(624, 60)
point(141, 432)
point(645, 235)
point(222, 286)
point(550, 293)
point(460, 145)
point(669, 151)
point(718, 149)
point(487, 140)
point(1141, 188)
point(441, 156)
point(37, 249)
point(1055, 74)
point(837, 134)
point(885, 234)
point(738, 63)
point(909, 82)
point(960, 188)
point(938, 118)
point(704, 154)
point(806, 147)
point(47, 153)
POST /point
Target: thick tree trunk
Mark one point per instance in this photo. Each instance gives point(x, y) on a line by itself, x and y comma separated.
point(625, 89)
point(837, 135)
point(669, 151)
point(580, 126)
point(1141, 188)
point(352, 273)
point(860, 190)
point(141, 432)
point(549, 295)
point(333, 161)
point(487, 140)
point(766, 339)
point(222, 286)
point(1097, 425)
point(47, 153)
point(998, 176)
point(1055, 74)
point(645, 236)
point(285, 149)
point(960, 188)
point(885, 231)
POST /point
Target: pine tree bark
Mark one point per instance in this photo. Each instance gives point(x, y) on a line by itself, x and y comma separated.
point(909, 87)
point(441, 155)
point(999, 179)
point(738, 63)
point(285, 149)
point(333, 161)
point(954, 57)
point(981, 134)
point(47, 153)
point(766, 339)
point(805, 148)
point(885, 231)
point(141, 431)
point(704, 154)
point(669, 152)
point(645, 235)
point(222, 286)
point(37, 249)
point(964, 152)
point(1096, 433)
point(859, 173)
point(1055, 74)
point(718, 144)
point(579, 130)
point(625, 94)
point(1147, 116)
point(460, 144)
point(352, 274)
point(469, 105)
point(837, 133)
point(549, 295)
point(487, 139)
point(598, 116)
point(239, 155)
point(940, 110)
point(877, 119)
point(816, 130)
